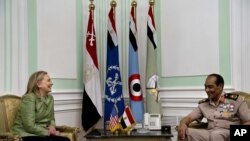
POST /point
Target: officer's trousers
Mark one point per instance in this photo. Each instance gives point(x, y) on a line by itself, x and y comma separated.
point(215, 134)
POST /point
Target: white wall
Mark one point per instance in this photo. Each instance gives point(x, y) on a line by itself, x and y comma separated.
point(191, 37)
point(56, 31)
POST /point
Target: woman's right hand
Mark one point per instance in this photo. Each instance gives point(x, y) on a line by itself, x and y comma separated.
point(52, 131)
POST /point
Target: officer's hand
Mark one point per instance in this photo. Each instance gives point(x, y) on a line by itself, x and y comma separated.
point(182, 130)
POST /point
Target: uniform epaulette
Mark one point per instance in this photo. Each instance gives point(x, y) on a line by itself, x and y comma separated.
point(231, 96)
point(203, 100)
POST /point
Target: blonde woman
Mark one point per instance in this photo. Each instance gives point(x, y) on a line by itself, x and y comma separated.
point(35, 119)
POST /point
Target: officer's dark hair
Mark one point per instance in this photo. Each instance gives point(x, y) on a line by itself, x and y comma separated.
point(219, 79)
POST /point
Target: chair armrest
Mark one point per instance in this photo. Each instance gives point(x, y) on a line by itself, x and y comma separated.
point(5, 134)
point(69, 132)
point(200, 125)
point(196, 125)
point(10, 137)
point(65, 128)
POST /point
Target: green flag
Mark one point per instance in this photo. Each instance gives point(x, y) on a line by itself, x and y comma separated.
point(153, 104)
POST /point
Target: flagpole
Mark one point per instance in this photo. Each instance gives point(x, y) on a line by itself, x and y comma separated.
point(113, 5)
point(92, 7)
point(152, 3)
point(134, 4)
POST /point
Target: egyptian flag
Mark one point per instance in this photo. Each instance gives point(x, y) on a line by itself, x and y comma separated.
point(113, 83)
point(152, 99)
point(127, 120)
point(135, 92)
point(92, 103)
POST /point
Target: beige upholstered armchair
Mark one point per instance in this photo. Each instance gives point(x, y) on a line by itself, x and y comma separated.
point(244, 95)
point(8, 108)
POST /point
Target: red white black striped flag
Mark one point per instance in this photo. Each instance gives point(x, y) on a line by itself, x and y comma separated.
point(92, 103)
point(127, 120)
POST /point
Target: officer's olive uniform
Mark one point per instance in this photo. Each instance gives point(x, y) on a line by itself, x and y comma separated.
point(233, 110)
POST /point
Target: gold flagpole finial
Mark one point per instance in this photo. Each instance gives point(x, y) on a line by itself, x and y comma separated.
point(134, 3)
point(91, 5)
point(152, 2)
point(113, 3)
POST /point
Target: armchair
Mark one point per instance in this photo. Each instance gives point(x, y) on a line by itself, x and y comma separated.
point(8, 108)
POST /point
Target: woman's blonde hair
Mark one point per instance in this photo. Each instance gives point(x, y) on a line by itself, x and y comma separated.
point(34, 79)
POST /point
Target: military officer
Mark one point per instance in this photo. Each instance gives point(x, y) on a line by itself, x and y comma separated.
point(220, 109)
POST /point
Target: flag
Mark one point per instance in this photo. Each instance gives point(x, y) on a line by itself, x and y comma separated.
point(114, 123)
point(92, 103)
point(113, 83)
point(135, 92)
point(152, 98)
point(127, 120)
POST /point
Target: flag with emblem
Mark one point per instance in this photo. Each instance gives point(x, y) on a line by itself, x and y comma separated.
point(135, 92)
point(92, 103)
point(113, 83)
point(127, 120)
point(152, 98)
point(114, 123)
